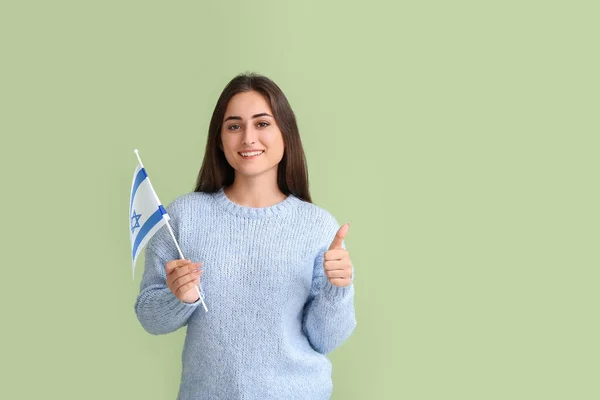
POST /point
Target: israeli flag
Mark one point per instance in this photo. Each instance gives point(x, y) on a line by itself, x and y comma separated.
point(146, 213)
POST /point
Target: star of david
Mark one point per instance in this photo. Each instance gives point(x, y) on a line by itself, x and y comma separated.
point(135, 217)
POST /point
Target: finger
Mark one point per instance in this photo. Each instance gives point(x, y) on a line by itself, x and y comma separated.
point(337, 254)
point(187, 287)
point(339, 273)
point(175, 264)
point(335, 264)
point(186, 282)
point(339, 237)
point(186, 277)
point(340, 281)
point(191, 267)
point(182, 270)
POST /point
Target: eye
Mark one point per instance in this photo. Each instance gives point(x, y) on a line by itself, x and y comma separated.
point(233, 127)
point(263, 124)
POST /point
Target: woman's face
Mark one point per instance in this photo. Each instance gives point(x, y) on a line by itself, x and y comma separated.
point(249, 125)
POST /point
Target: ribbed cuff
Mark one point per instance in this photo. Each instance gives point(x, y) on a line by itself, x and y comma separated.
point(332, 291)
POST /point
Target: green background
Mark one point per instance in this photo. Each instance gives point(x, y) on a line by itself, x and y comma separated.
point(459, 138)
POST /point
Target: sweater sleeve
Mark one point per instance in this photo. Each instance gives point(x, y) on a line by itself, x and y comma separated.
point(157, 308)
point(329, 317)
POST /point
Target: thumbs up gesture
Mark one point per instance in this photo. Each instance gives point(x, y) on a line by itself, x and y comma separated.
point(336, 262)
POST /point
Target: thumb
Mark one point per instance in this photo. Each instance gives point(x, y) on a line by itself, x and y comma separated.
point(339, 237)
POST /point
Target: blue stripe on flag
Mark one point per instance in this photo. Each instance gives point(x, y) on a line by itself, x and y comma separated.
point(141, 175)
point(162, 209)
point(149, 224)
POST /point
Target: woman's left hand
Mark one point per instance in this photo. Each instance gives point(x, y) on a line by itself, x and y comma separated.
point(336, 262)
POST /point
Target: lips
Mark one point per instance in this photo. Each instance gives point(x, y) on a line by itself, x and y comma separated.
point(251, 157)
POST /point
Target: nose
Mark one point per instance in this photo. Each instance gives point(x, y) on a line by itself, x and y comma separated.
point(249, 136)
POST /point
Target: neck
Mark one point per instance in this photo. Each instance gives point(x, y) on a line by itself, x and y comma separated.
point(255, 192)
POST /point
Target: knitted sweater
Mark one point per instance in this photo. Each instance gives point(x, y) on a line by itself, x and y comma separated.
point(272, 313)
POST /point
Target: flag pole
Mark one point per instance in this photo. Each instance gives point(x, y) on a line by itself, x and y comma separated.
point(170, 229)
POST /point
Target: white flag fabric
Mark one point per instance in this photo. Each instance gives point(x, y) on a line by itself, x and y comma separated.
point(146, 213)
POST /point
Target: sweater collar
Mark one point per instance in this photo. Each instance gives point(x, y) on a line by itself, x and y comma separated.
point(253, 212)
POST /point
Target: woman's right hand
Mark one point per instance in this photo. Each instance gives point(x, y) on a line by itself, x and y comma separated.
point(182, 276)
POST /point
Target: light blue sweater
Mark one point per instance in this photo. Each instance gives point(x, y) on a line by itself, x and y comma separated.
point(272, 313)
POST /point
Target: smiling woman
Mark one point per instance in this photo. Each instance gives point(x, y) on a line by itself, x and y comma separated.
point(253, 114)
point(279, 280)
point(250, 133)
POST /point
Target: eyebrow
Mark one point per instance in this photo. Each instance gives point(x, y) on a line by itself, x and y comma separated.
point(254, 116)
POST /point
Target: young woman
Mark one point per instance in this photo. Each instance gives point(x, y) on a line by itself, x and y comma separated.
point(278, 281)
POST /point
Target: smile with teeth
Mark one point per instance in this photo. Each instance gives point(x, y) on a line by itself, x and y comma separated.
point(252, 153)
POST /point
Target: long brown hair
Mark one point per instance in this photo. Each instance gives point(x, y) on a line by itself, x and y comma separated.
point(292, 172)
